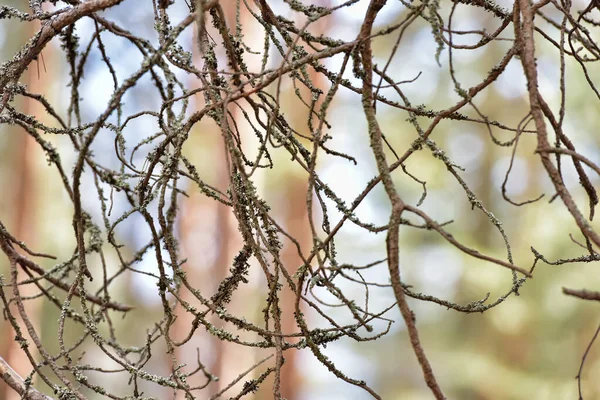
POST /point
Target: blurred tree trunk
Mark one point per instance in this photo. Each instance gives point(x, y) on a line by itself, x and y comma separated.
point(225, 242)
point(294, 188)
point(206, 234)
point(21, 216)
point(296, 223)
point(208, 240)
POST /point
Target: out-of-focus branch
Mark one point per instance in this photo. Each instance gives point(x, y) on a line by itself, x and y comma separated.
point(582, 294)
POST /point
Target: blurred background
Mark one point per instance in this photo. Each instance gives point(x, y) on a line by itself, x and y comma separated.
point(528, 347)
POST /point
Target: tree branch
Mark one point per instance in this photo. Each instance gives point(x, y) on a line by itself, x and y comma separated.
point(12, 379)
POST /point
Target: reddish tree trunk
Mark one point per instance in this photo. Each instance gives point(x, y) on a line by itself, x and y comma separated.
point(22, 220)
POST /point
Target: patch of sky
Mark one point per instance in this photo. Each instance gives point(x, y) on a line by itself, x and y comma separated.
point(511, 84)
point(549, 78)
point(465, 148)
point(518, 180)
point(348, 180)
point(437, 268)
point(349, 362)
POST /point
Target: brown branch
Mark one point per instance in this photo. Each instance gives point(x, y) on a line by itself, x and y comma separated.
point(572, 153)
point(472, 252)
point(11, 70)
point(525, 37)
point(154, 190)
point(12, 379)
point(583, 358)
point(376, 138)
point(582, 294)
point(26, 263)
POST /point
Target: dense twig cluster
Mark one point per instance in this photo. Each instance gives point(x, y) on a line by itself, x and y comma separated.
point(225, 81)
